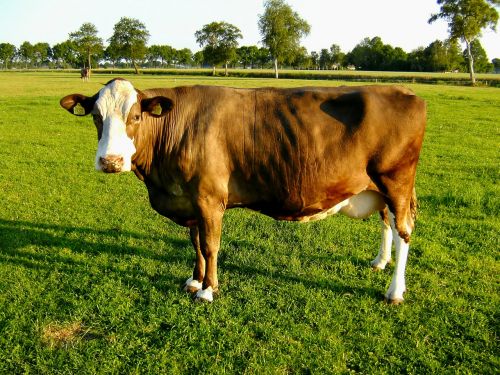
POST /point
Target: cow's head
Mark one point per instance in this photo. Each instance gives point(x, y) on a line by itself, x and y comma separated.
point(118, 110)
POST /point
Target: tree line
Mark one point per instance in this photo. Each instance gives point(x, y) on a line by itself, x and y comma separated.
point(281, 29)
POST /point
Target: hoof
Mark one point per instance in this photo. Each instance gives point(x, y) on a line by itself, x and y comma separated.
point(394, 301)
point(191, 286)
point(378, 265)
point(204, 295)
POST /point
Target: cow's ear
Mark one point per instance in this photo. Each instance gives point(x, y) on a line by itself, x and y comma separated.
point(158, 106)
point(77, 104)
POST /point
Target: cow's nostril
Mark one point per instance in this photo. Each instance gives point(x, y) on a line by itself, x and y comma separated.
point(111, 163)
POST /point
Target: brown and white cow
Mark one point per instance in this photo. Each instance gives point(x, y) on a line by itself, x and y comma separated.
point(292, 154)
point(85, 74)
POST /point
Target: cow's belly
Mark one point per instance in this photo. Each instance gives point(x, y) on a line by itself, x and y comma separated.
point(358, 206)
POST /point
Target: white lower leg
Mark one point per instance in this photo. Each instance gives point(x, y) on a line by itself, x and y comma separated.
point(192, 284)
point(205, 295)
point(384, 254)
point(398, 284)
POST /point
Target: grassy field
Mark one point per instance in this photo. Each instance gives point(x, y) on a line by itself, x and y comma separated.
point(90, 274)
point(459, 79)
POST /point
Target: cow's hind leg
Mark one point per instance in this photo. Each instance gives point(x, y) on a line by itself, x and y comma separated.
point(395, 292)
point(194, 283)
point(402, 211)
point(384, 254)
point(401, 202)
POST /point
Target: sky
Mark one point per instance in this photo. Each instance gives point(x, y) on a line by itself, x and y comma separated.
point(400, 23)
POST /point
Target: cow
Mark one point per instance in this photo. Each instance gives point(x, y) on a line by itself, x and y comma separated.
point(298, 154)
point(85, 74)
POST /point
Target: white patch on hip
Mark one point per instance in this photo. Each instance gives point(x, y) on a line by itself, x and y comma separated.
point(114, 104)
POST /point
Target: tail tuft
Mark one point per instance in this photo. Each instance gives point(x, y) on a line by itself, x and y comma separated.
point(413, 205)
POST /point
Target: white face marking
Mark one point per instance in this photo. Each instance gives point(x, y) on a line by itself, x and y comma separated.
point(114, 104)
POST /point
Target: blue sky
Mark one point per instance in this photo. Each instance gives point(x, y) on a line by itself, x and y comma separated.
point(401, 23)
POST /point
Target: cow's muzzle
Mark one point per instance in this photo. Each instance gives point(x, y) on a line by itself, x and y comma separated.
point(111, 163)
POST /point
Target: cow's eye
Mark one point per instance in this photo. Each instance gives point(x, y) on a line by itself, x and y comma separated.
point(137, 117)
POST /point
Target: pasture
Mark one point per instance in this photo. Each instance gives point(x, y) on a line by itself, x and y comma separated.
point(90, 274)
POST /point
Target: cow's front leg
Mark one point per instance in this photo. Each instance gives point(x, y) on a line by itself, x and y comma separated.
point(211, 212)
point(195, 283)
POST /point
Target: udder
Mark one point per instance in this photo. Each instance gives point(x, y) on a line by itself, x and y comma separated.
point(359, 206)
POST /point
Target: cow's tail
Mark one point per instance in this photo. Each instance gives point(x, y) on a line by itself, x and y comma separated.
point(413, 206)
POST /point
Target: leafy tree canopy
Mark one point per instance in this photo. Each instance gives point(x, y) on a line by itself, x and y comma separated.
point(129, 40)
point(466, 19)
point(281, 29)
point(219, 40)
point(87, 42)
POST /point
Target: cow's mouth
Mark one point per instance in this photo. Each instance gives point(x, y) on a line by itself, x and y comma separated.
point(111, 163)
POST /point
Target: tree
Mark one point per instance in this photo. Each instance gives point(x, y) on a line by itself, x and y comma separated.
point(41, 53)
point(263, 57)
point(496, 64)
point(373, 54)
point(184, 57)
point(481, 62)
point(65, 54)
point(112, 54)
point(436, 57)
point(281, 29)
point(198, 59)
point(466, 19)
point(301, 59)
point(129, 40)
point(167, 54)
point(87, 42)
point(7, 53)
point(247, 55)
point(324, 59)
point(153, 55)
point(315, 59)
point(26, 53)
point(455, 57)
point(219, 40)
point(337, 57)
point(368, 54)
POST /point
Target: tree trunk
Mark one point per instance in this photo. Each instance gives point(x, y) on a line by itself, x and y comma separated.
point(90, 68)
point(276, 67)
point(213, 70)
point(225, 67)
point(135, 67)
point(471, 63)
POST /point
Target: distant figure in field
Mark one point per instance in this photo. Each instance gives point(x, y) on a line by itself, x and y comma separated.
point(85, 74)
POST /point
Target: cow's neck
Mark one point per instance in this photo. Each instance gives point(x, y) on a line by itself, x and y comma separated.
point(150, 146)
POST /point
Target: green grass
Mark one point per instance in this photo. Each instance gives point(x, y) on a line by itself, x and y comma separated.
point(460, 79)
point(90, 274)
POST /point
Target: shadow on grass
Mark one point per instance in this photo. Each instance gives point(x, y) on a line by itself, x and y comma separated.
point(50, 239)
point(17, 235)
